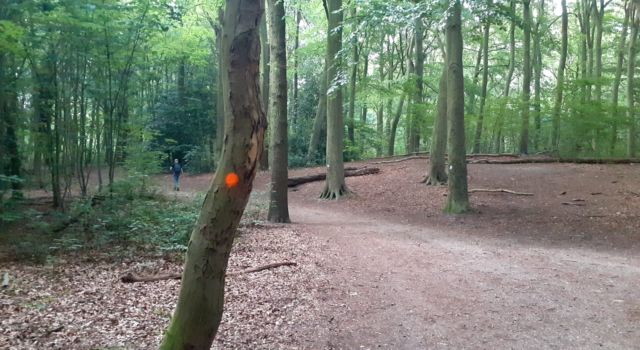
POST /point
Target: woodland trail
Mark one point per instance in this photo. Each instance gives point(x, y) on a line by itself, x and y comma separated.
point(401, 286)
point(526, 273)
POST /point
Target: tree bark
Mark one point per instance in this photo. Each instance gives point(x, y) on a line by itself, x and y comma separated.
point(458, 198)
point(526, 79)
point(555, 133)
point(335, 186)
point(278, 150)
point(200, 304)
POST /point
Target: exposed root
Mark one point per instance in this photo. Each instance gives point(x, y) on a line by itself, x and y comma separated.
point(332, 195)
point(434, 180)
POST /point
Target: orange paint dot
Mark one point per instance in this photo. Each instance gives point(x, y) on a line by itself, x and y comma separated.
point(232, 180)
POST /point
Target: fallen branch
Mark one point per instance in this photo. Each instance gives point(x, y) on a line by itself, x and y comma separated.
point(132, 278)
point(426, 155)
point(400, 160)
point(474, 190)
point(296, 181)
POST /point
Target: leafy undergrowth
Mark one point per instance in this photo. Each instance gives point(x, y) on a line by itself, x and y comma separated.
point(76, 301)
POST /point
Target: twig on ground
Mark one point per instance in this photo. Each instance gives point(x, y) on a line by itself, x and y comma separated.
point(473, 190)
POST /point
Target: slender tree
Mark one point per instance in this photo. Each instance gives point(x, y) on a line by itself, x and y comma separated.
point(335, 186)
point(615, 90)
point(200, 304)
point(485, 79)
point(458, 198)
point(415, 116)
point(437, 170)
point(631, 66)
point(555, 133)
point(320, 121)
point(278, 203)
point(265, 74)
point(526, 78)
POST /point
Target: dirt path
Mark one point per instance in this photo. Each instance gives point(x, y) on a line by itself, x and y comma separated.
point(399, 286)
point(520, 273)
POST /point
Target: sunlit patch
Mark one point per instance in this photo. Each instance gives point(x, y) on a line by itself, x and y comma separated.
point(232, 180)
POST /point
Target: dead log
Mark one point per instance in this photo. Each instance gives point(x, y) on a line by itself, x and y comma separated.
point(297, 181)
point(474, 190)
point(555, 160)
point(5, 280)
point(132, 278)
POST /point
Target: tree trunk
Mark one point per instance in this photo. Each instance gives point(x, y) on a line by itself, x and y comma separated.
point(631, 66)
point(458, 198)
point(296, 45)
point(555, 133)
point(616, 80)
point(437, 165)
point(320, 122)
point(200, 304)
point(220, 101)
point(526, 79)
point(507, 88)
point(278, 150)
point(394, 126)
point(537, 68)
point(512, 51)
point(416, 111)
point(352, 80)
point(380, 109)
point(265, 75)
point(485, 79)
point(335, 186)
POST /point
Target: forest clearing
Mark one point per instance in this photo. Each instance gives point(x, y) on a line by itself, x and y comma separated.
point(381, 269)
point(331, 174)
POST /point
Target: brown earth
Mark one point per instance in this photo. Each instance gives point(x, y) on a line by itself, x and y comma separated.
point(385, 269)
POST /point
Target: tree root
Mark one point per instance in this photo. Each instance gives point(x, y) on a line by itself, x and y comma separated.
point(132, 278)
point(332, 195)
point(434, 180)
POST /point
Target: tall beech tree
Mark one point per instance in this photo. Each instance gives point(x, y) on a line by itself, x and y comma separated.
point(278, 139)
point(195, 321)
point(335, 186)
point(458, 198)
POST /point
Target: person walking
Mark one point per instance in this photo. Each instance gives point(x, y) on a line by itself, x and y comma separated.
point(177, 171)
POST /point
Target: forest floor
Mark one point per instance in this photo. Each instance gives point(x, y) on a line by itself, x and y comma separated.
point(384, 268)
